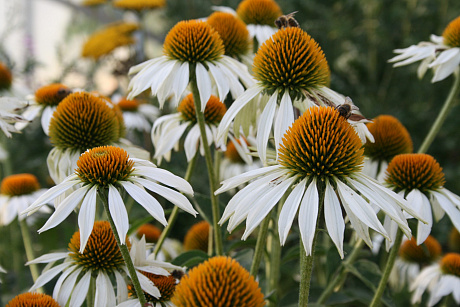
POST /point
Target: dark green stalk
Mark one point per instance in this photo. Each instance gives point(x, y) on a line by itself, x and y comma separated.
point(29, 251)
point(260, 246)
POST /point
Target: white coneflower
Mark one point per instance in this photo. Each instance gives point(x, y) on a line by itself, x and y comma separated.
point(320, 151)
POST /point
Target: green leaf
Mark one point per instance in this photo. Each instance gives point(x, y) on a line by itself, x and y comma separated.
point(190, 259)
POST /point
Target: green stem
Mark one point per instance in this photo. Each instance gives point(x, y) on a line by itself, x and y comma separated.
point(388, 268)
point(260, 245)
point(91, 293)
point(306, 262)
point(341, 273)
point(29, 251)
point(209, 164)
point(442, 115)
point(124, 252)
point(273, 242)
point(175, 211)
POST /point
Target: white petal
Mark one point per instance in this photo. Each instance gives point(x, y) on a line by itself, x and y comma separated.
point(118, 212)
point(181, 81)
point(122, 287)
point(67, 287)
point(65, 208)
point(61, 279)
point(147, 285)
point(45, 277)
point(105, 296)
point(333, 218)
point(175, 197)
point(165, 177)
point(192, 141)
point(264, 126)
point(289, 210)
point(204, 84)
point(220, 80)
point(284, 119)
point(145, 200)
point(48, 258)
point(423, 230)
point(168, 140)
point(308, 214)
point(451, 210)
point(445, 56)
point(80, 290)
point(240, 179)
point(46, 118)
point(446, 69)
point(86, 216)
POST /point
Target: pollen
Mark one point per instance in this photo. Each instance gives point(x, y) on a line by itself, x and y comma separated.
point(259, 12)
point(19, 184)
point(5, 77)
point(165, 284)
point(323, 144)
point(130, 105)
point(450, 264)
point(109, 38)
point(415, 171)
point(232, 31)
point(391, 139)
point(219, 281)
point(101, 252)
point(197, 237)
point(83, 121)
point(139, 5)
point(451, 34)
point(213, 112)
point(32, 299)
point(232, 154)
point(193, 41)
point(151, 233)
point(52, 95)
point(104, 165)
point(291, 60)
point(422, 254)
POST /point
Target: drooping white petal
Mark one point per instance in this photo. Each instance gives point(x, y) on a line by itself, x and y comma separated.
point(264, 126)
point(173, 196)
point(446, 204)
point(446, 69)
point(240, 179)
point(289, 210)
point(86, 216)
point(145, 200)
point(105, 295)
point(165, 177)
point(181, 81)
point(65, 273)
point(423, 230)
point(45, 277)
point(192, 141)
point(333, 218)
point(46, 118)
point(67, 287)
point(170, 138)
point(220, 80)
point(147, 285)
point(284, 119)
point(122, 287)
point(65, 208)
point(204, 84)
point(80, 290)
point(118, 212)
point(308, 215)
point(48, 258)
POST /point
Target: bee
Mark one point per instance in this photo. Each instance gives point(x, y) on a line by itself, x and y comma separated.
point(286, 21)
point(345, 110)
point(177, 274)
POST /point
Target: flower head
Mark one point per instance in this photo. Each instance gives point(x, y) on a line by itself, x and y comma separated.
point(260, 16)
point(17, 192)
point(238, 158)
point(197, 237)
point(6, 78)
point(441, 279)
point(139, 5)
point(419, 178)
point(151, 233)
point(192, 48)
point(109, 168)
point(45, 101)
point(109, 38)
point(454, 240)
point(391, 138)
point(137, 115)
point(442, 53)
point(32, 300)
point(320, 152)
point(218, 279)
point(9, 106)
point(290, 69)
point(232, 31)
point(168, 130)
point(93, 2)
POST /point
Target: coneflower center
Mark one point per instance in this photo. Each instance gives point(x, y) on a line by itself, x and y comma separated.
point(451, 34)
point(5, 77)
point(52, 95)
point(104, 165)
point(19, 184)
point(391, 139)
point(193, 41)
point(421, 254)
point(165, 284)
point(415, 171)
point(31, 299)
point(291, 60)
point(130, 105)
point(213, 112)
point(323, 144)
point(197, 237)
point(450, 264)
point(101, 251)
point(151, 233)
point(260, 12)
point(82, 121)
point(232, 31)
point(232, 154)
